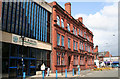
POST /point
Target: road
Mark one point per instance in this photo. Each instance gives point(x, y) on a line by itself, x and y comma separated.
point(104, 73)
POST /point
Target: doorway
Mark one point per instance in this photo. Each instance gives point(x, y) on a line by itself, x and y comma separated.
point(69, 59)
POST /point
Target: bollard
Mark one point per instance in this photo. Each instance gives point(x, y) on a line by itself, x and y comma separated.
point(56, 74)
point(78, 71)
point(43, 74)
point(66, 73)
point(23, 75)
point(73, 71)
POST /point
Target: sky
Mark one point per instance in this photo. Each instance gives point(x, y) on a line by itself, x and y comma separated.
point(102, 19)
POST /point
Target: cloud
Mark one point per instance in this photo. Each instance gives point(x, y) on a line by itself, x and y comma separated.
point(104, 24)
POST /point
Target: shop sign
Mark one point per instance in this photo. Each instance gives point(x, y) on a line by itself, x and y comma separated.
point(27, 41)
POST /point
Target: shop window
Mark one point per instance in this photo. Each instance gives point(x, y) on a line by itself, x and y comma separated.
point(5, 50)
point(13, 72)
point(13, 62)
point(33, 53)
point(14, 50)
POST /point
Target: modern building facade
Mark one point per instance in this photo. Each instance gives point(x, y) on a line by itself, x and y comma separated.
point(72, 41)
point(26, 44)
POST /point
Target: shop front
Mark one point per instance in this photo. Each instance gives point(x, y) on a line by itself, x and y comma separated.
point(15, 62)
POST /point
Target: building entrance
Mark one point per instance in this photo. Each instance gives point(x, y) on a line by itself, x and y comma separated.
point(69, 59)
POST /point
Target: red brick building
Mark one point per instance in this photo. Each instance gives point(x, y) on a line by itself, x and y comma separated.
point(72, 41)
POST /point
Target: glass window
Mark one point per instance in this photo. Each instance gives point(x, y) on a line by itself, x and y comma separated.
point(84, 34)
point(63, 59)
point(79, 31)
point(62, 40)
point(85, 47)
point(62, 23)
point(58, 58)
point(73, 30)
point(58, 20)
point(88, 37)
point(68, 43)
point(68, 26)
point(76, 31)
point(80, 45)
point(74, 45)
point(58, 39)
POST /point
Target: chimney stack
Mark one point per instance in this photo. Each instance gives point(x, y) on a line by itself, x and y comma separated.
point(68, 7)
point(80, 19)
point(96, 48)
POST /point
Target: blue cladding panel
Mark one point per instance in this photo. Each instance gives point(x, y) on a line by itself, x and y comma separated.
point(41, 22)
point(32, 20)
point(26, 18)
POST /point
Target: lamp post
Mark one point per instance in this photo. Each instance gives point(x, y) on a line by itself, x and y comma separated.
point(23, 65)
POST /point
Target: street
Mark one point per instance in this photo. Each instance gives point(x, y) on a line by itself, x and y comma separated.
point(104, 73)
point(83, 74)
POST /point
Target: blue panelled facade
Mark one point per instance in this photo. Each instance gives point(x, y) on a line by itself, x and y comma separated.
point(31, 20)
point(27, 19)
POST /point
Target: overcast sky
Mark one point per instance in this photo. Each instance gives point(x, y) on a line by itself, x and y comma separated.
point(102, 19)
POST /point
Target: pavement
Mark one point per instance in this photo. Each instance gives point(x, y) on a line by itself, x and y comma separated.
point(83, 73)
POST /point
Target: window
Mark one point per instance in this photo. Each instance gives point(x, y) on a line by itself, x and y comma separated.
point(68, 26)
point(58, 58)
point(73, 30)
point(58, 20)
point(85, 47)
point(84, 34)
point(62, 40)
point(80, 45)
point(88, 37)
point(68, 43)
point(62, 23)
point(79, 31)
point(74, 45)
point(75, 60)
point(63, 59)
point(76, 31)
point(58, 39)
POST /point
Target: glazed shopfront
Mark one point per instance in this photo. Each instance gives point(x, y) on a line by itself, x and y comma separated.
point(17, 59)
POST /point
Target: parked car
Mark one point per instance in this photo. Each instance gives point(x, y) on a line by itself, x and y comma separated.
point(115, 65)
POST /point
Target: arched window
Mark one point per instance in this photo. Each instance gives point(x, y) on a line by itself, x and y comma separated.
point(58, 20)
point(68, 26)
point(62, 23)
